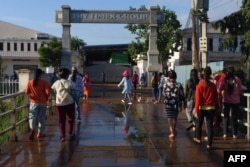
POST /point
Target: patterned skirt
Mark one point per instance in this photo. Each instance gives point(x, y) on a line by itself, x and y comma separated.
point(171, 113)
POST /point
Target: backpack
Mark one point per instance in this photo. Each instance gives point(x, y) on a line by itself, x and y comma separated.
point(174, 96)
point(135, 78)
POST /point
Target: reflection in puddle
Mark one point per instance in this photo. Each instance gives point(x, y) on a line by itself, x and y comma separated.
point(133, 134)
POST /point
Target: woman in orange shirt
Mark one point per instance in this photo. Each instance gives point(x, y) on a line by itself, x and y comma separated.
point(39, 92)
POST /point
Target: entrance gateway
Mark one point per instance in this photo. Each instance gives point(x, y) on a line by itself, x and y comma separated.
point(66, 16)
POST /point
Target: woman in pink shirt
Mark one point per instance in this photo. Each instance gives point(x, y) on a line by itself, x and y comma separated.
point(231, 87)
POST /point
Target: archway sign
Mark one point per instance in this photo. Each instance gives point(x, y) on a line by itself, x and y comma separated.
point(66, 16)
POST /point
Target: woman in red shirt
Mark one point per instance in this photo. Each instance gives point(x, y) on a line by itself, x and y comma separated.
point(206, 104)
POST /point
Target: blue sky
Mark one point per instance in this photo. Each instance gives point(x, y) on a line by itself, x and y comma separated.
point(40, 15)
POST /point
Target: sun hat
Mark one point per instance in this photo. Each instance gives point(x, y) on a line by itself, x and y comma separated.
point(125, 73)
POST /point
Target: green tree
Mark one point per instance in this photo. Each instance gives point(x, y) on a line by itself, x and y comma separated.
point(76, 43)
point(232, 25)
point(140, 45)
point(246, 37)
point(2, 69)
point(237, 24)
point(50, 53)
point(168, 39)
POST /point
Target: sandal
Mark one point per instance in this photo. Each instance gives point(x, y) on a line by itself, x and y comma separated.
point(197, 140)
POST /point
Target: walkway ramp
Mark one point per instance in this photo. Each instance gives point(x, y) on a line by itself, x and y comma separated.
point(102, 139)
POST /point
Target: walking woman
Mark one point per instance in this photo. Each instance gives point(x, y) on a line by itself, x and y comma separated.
point(206, 104)
point(162, 82)
point(155, 90)
point(65, 104)
point(174, 97)
point(231, 86)
point(39, 92)
point(189, 91)
point(127, 86)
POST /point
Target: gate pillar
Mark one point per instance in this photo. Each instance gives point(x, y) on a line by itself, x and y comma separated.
point(66, 38)
point(153, 60)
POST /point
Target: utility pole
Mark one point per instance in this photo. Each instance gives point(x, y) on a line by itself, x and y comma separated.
point(195, 53)
point(202, 14)
point(200, 8)
point(203, 44)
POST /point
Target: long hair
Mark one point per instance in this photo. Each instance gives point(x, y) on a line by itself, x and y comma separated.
point(38, 74)
point(194, 80)
point(155, 78)
point(63, 73)
point(172, 74)
point(230, 76)
point(207, 75)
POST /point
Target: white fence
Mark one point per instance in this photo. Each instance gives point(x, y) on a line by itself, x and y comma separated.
point(247, 109)
point(8, 87)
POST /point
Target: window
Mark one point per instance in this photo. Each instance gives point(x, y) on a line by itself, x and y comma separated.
point(28, 47)
point(8, 46)
point(15, 46)
point(1, 46)
point(189, 44)
point(35, 46)
point(22, 47)
point(210, 44)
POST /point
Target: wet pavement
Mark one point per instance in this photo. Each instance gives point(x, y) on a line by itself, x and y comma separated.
point(113, 134)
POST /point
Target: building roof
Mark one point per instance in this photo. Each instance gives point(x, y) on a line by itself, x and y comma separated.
point(12, 31)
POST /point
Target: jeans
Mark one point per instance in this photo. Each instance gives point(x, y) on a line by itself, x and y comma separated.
point(37, 113)
point(78, 109)
point(155, 92)
point(160, 89)
point(189, 110)
point(234, 108)
point(126, 95)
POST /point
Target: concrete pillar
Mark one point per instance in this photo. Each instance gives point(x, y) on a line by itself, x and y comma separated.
point(66, 38)
point(24, 76)
point(153, 53)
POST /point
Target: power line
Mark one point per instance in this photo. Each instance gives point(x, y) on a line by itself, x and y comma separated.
point(219, 4)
